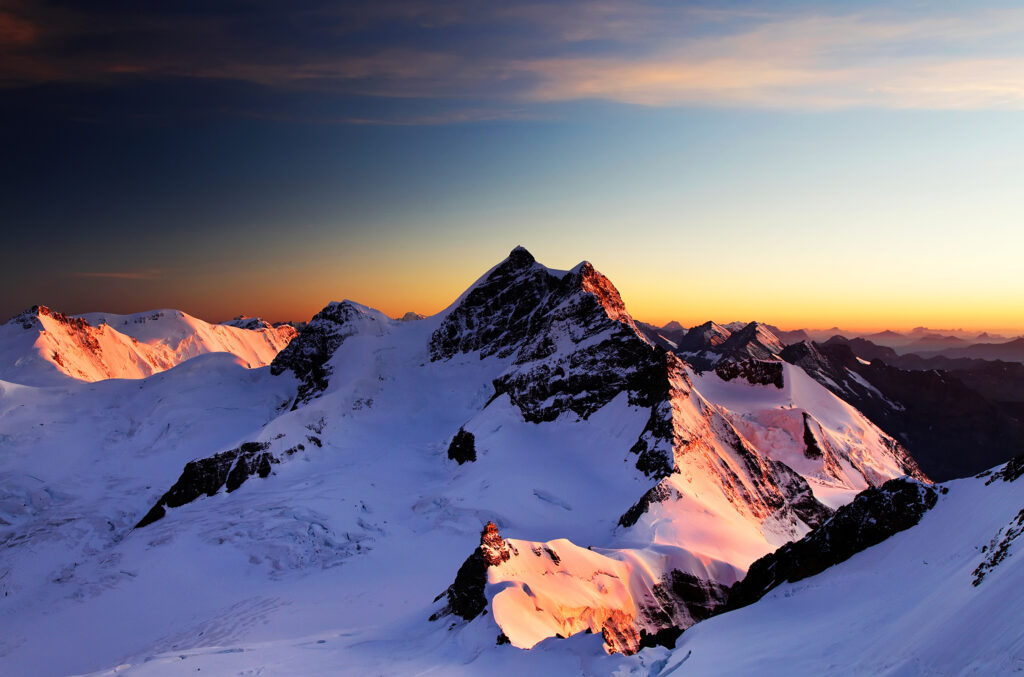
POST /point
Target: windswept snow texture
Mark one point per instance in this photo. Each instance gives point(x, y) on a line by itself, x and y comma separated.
point(42, 347)
point(302, 519)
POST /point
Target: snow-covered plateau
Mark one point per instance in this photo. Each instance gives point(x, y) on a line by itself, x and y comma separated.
point(523, 483)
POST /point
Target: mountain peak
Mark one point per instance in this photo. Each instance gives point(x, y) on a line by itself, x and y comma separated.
point(520, 257)
point(703, 336)
point(755, 339)
point(29, 317)
point(607, 295)
point(248, 322)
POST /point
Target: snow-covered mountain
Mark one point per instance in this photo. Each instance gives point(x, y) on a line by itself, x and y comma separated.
point(522, 466)
point(43, 347)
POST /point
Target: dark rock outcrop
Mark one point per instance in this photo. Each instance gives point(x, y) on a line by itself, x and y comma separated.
point(659, 493)
point(799, 496)
point(308, 353)
point(682, 600)
point(811, 447)
point(492, 546)
point(1010, 472)
point(998, 549)
point(465, 595)
point(873, 516)
point(756, 372)
point(463, 447)
point(206, 477)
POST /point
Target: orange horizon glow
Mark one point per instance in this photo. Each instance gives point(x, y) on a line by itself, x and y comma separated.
point(399, 280)
point(394, 295)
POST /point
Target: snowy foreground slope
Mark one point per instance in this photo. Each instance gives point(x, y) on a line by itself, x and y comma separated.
point(908, 606)
point(911, 605)
point(313, 516)
point(43, 347)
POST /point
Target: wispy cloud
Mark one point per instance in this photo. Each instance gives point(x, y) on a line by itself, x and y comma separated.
point(516, 54)
point(15, 31)
point(152, 274)
point(813, 63)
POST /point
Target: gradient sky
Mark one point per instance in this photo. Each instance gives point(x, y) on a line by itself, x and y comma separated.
point(801, 163)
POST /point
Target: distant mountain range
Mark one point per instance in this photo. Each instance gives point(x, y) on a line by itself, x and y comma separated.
point(956, 411)
point(921, 340)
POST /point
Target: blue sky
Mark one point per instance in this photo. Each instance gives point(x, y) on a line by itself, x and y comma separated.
point(800, 163)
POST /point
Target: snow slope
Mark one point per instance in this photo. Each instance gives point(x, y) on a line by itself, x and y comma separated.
point(44, 347)
point(907, 606)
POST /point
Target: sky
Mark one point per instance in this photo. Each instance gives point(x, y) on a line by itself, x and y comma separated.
point(807, 164)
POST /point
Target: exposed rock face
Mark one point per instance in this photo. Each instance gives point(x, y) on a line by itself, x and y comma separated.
point(465, 595)
point(77, 327)
point(619, 633)
point(496, 316)
point(1010, 472)
point(873, 516)
point(206, 477)
point(697, 438)
point(574, 346)
point(463, 447)
point(756, 372)
point(308, 354)
point(492, 546)
point(812, 448)
point(657, 494)
point(665, 436)
point(998, 549)
point(682, 600)
point(799, 497)
point(766, 486)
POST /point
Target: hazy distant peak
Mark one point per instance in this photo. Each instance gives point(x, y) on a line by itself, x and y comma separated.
point(247, 322)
